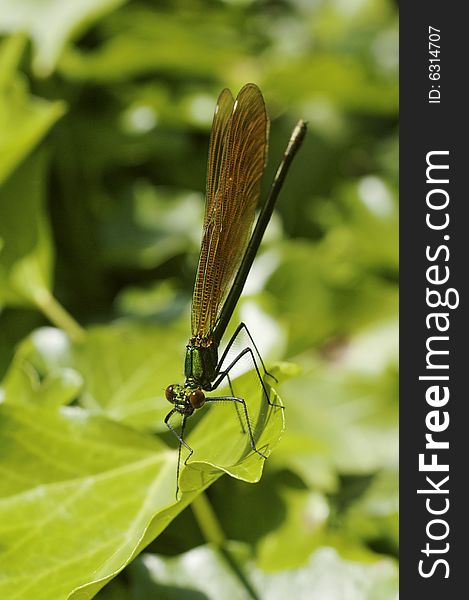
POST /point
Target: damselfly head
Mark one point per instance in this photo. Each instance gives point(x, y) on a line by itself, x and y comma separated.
point(185, 398)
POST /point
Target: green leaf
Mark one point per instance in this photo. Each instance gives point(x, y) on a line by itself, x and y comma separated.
point(95, 493)
point(90, 493)
point(124, 368)
point(24, 119)
point(29, 380)
point(26, 251)
point(51, 23)
point(99, 468)
point(26, 255)
point(54, 391)
point(203, 573)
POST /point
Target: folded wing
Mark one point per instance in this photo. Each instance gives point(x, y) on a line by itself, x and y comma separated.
point(237, 156)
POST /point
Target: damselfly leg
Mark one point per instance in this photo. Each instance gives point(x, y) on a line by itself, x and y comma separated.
point(222, 373)
point(180, 437)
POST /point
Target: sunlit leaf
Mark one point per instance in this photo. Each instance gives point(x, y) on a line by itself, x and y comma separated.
point(24, 119)
point(90, 494)
point(26, 254)
point(95, 493)
point(123, 370)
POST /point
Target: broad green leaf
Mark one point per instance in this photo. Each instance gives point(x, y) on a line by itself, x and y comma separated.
point(95, 493)
point(116, 371)
point(40, 379)
point(203, 573)
point(24, 119)
point(51, 23)
point(124, 369)
point(82, 493)
point(88, 465)
point(23, 383)
point(26, 250)
point(26, 254)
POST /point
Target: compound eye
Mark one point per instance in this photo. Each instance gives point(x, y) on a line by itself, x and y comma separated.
point(197, 398)
point(170, 393)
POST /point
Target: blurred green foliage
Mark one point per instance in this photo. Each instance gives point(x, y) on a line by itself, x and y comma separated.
point(105, 113)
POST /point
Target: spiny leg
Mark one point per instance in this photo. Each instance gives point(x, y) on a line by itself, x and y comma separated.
point(236, 404)
point(238, 329)
point(222, 374)
point(181, 442)
point(246, 415)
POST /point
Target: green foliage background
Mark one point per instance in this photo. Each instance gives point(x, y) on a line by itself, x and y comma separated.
point(105, 113)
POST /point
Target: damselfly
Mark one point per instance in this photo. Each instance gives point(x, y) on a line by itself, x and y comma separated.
point(236, 161)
